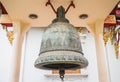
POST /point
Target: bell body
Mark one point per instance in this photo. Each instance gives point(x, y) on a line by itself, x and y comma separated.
point(61, 48)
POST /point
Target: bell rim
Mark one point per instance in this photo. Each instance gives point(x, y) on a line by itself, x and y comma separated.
point(41, 66)
point(72, 58)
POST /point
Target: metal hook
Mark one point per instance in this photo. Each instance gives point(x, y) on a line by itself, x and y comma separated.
point(49, 3)
point(71, 4)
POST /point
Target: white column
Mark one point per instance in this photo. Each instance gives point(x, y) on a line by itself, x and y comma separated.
point(97, 29)
point(19, 31)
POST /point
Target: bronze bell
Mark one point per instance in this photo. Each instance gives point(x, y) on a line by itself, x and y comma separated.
point(60, 47)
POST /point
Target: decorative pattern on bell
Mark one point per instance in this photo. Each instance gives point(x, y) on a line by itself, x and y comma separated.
point(60, 47)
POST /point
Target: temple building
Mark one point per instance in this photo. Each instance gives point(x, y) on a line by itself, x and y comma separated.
point(34, 34)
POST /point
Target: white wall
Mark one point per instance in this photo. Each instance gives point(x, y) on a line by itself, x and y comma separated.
point(32, 46)
point(113, 63)
point(5, 57)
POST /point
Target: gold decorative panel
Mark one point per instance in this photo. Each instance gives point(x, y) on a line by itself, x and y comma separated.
point(110, 19)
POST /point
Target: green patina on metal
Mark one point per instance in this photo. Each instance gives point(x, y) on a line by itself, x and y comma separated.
point(60, 15)
point(60, 46)
point(60, 36)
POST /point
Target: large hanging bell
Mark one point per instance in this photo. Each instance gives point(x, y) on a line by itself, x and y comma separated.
point(61, 47)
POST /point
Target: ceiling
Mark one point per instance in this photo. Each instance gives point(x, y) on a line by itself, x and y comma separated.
point(96, 9)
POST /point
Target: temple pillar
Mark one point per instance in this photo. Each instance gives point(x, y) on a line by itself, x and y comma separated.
point(97, 31)
point(19, 32)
